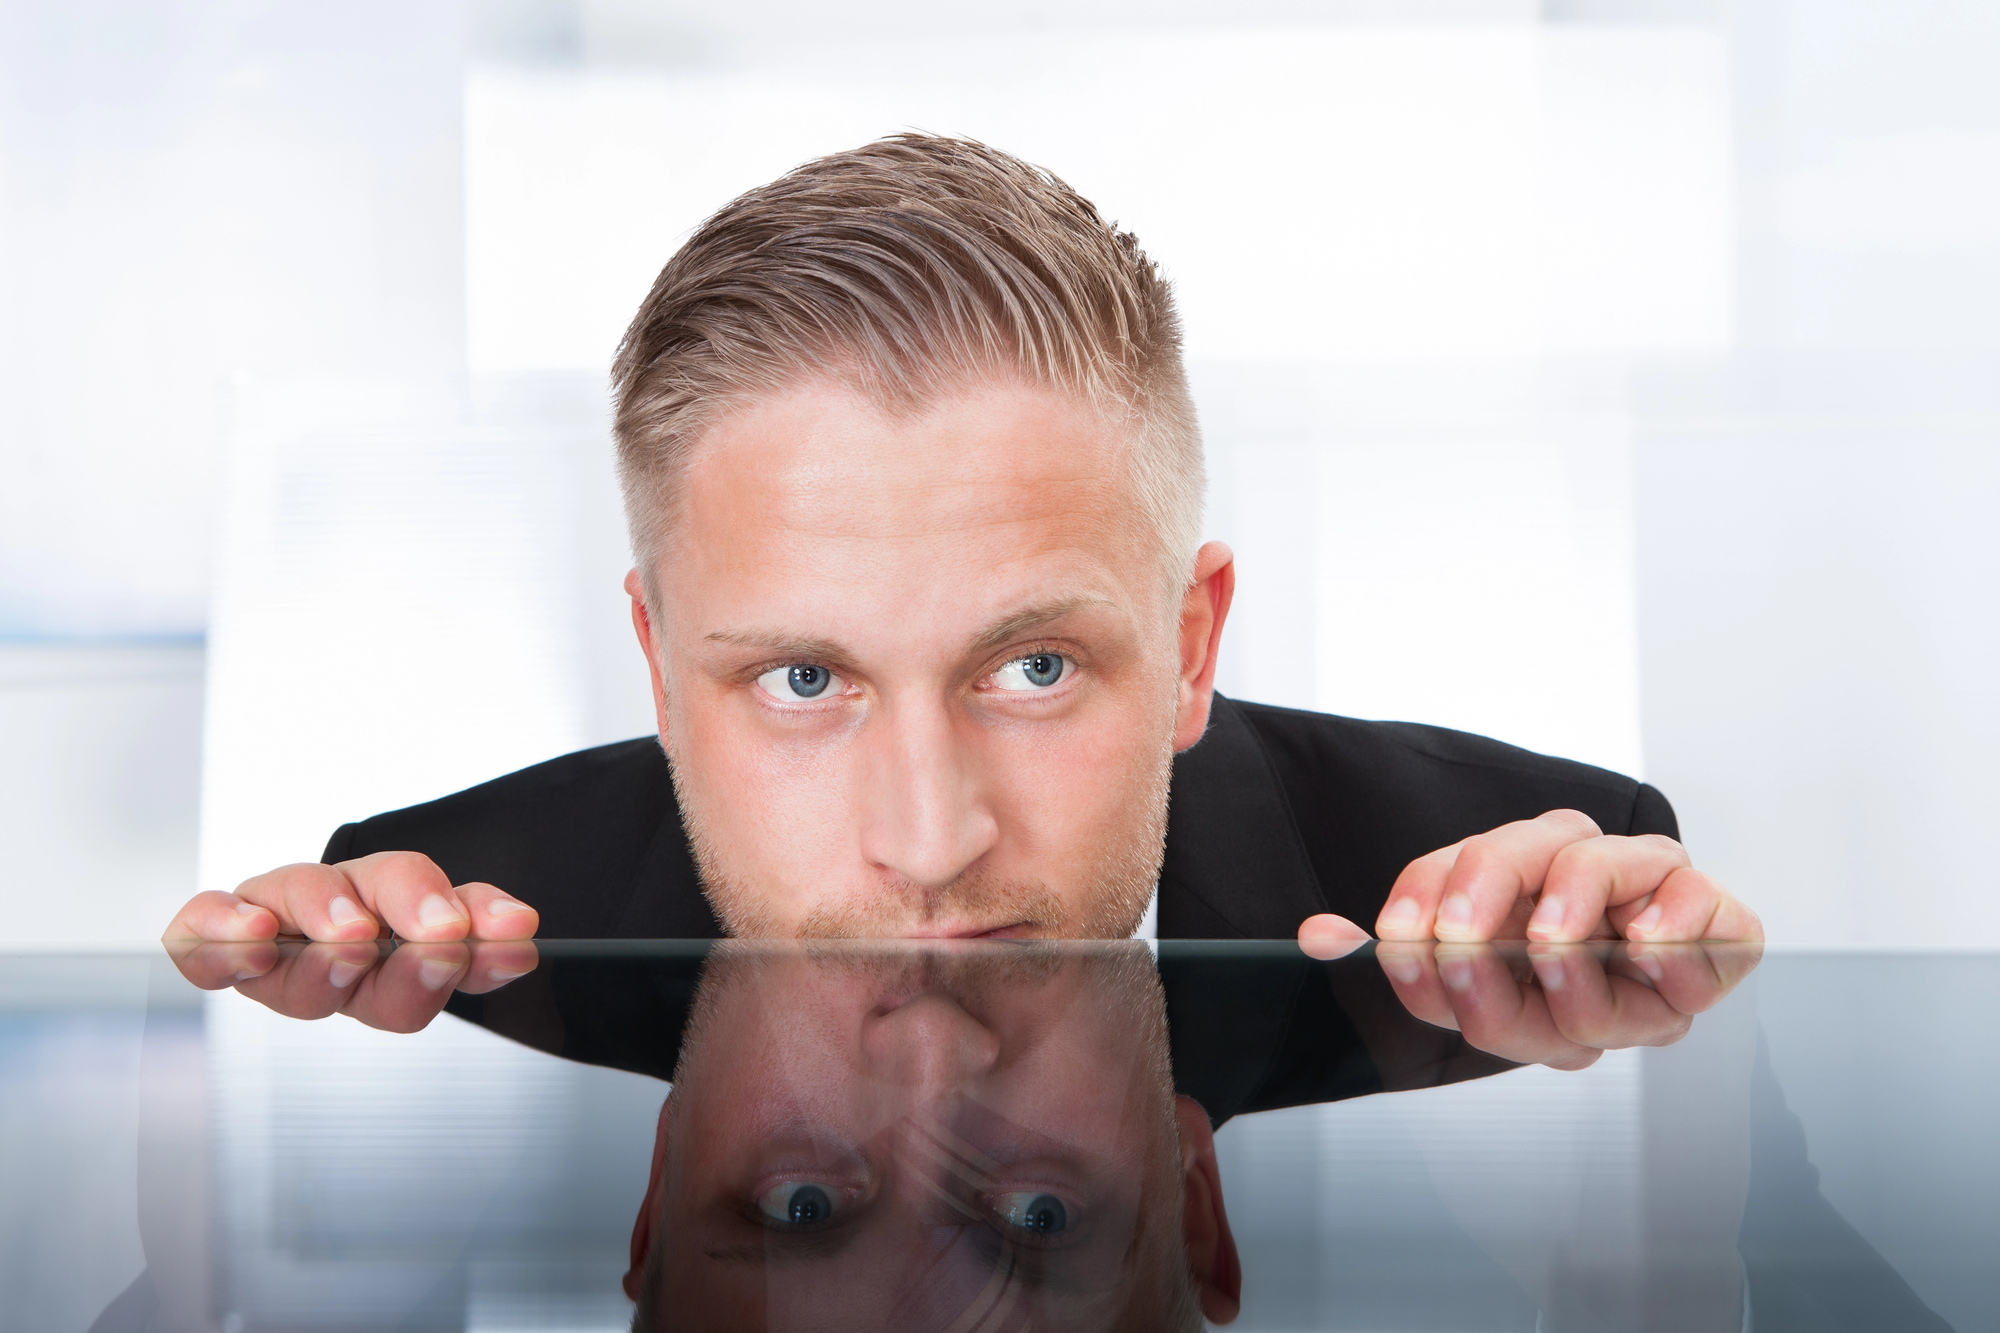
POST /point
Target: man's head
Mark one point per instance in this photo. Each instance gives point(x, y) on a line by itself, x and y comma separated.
point(915, 490)
point(974, 1135)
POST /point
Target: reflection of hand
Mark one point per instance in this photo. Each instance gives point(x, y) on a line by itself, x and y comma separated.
point(398, 990)
point(1563, 1004)
point(354, 900)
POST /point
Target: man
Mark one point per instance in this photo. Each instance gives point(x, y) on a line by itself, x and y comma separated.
point(914, 487)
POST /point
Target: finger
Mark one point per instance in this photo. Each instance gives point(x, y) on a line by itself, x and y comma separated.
point(1593, 1007)
point(495, 964)
point(1485, 885)
point(1586, 878)
point(1495, 872)
point(316, 901)
point(1411, 968)
point(314, 981)
point(1694, 978)
point(1500, 1015)
point(408, 892)
point(410, 988)
point(496, 915)
point(1412, 905)
point(223, 917)
point(218, 966)
point(1326, 937)
point(1688, 905)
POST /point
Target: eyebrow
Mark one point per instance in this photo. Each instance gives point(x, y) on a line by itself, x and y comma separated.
point(780, 645)
point(1019, 623)
point(1003, 631)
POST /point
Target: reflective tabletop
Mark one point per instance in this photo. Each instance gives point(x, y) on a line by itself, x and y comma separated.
point(998, 1136)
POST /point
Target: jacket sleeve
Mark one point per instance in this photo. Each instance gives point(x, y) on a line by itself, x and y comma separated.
point(340, 847)
point(1652, 814)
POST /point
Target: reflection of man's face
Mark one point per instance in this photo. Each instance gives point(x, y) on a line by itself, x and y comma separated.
point(922, 676)
point(980, 1138)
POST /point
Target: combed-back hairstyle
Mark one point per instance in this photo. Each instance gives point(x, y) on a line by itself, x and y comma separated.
point(906, 269)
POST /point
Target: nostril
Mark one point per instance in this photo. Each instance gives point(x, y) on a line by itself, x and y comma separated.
point(929, 1043)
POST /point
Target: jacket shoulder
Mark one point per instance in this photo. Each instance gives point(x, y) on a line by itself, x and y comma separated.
point(568, 836)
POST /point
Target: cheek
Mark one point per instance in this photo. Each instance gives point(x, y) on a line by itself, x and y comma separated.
point(1067, 785)
point(769, 804)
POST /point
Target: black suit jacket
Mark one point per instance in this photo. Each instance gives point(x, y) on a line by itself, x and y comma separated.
point(1275, 815)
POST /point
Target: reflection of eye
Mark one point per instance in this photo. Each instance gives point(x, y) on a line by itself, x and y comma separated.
point(1037, 671)
point(797, 1203)
point(799, 681)
point(1041, 1214)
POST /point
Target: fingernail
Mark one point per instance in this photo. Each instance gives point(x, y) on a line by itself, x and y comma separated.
point(341, 973)
point(438, 910)
point(500, 975)
point(1548, 918)
point(245, 909)
point(1649, 963)
point(1400, 968)
point(244, 975)
point(1646, 922)
point(342, 911)
point(502, 906)
point(1399, 916)
point(1548, 971)
point(1457, 972)
point(435, 972)
point(1455, 913)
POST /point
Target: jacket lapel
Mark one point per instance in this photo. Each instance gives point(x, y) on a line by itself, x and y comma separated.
point(1235, 867)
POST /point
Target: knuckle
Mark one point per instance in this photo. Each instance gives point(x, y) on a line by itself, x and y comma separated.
point(1572, 1061)
point(1669, 1033)
point(412, 871)
point(1596, 1031)
point(1483, 1030)
point(1580, 859)
point(1480, 856)
point(1573, 822)
point(1661, 844)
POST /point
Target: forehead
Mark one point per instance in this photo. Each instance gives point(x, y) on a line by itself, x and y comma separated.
point(825, 464)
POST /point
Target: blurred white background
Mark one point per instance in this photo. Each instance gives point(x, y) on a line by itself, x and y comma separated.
point(1611, 376)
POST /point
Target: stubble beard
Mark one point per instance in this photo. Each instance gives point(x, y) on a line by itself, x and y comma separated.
point(1121, 881)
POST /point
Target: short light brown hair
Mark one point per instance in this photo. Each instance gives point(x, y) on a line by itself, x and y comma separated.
point(905, 269)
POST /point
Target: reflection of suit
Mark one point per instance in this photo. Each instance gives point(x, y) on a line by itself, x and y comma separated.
point(1276, 814)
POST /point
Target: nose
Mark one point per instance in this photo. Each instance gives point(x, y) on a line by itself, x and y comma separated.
point(929, 1047)
point(923, 814)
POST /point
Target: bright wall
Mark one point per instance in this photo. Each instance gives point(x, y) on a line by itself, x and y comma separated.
point(1606, 377)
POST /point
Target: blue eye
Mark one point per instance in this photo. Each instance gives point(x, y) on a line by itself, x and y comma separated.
point(1037, 671)
point(798, 1203)
point(799, 681)
point(1039, 1214)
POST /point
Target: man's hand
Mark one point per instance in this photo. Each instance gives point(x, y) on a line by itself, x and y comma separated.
point(1556, 879)
point(354, 901)
point(398, 990)
point(1563, 1005)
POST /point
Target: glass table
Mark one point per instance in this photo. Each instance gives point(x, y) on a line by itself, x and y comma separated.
point(997, 1136)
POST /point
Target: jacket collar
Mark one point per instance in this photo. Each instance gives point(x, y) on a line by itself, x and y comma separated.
point(1235, 867)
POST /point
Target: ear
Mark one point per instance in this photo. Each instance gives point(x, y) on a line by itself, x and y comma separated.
point(642, 625)
point(649, 1207)
point(1203, 610)
point(1211, 1250)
